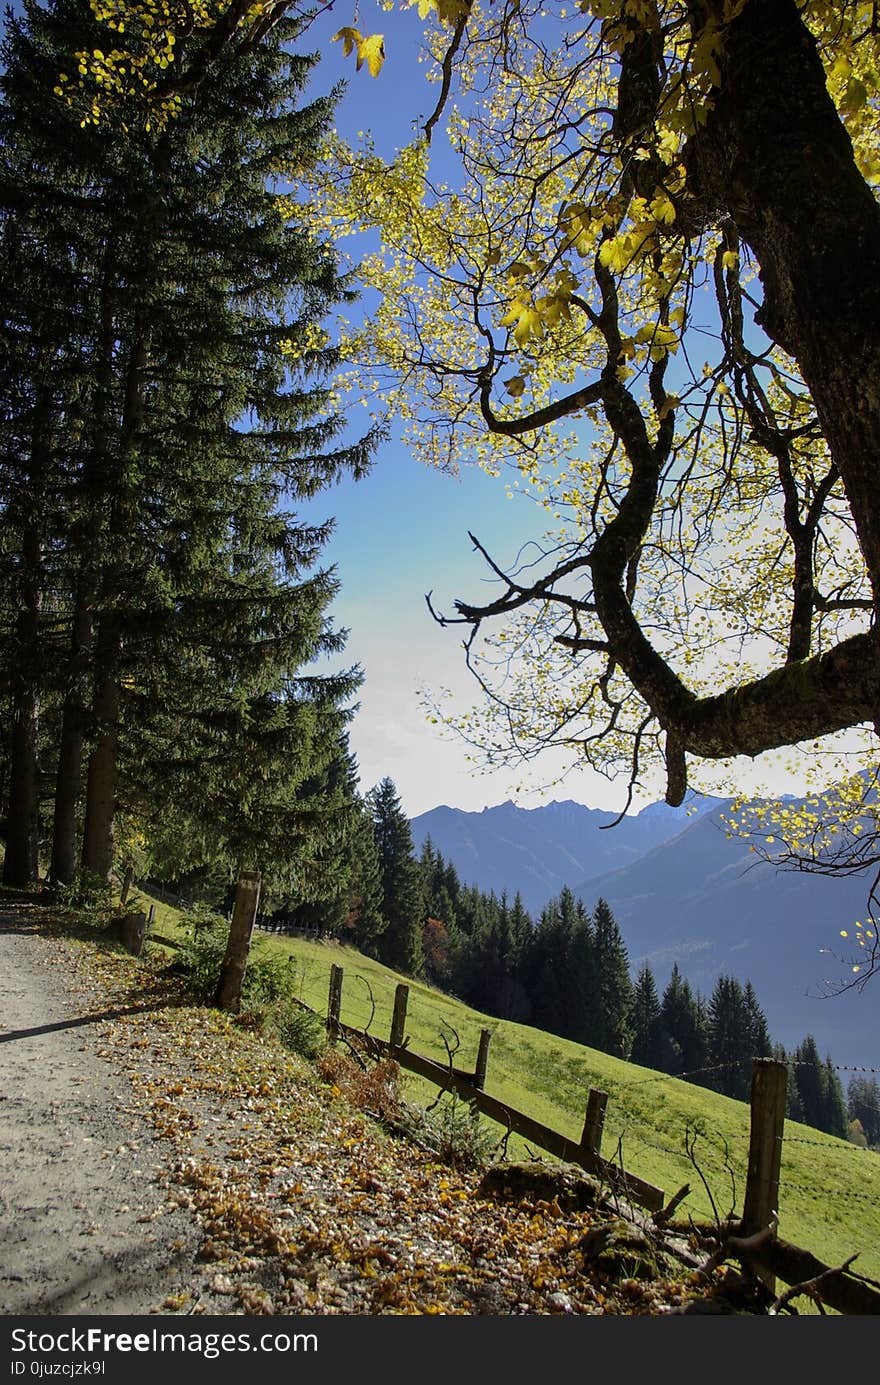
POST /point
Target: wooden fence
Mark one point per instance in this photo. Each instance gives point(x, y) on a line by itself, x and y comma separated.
point(756, 1244)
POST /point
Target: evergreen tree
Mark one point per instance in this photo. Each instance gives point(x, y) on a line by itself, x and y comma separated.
point(863, 1105)
point(645, 1021)
point(400, 944)
point(343, 895)
point(613, 985)
point(185, 589)
point(819, 1090)
point(793, 1102)
point(756, 1021)
point(834, 1119)
point(546, 969)
point(731, 1030)
point(684, 1034)
point(809, 1075)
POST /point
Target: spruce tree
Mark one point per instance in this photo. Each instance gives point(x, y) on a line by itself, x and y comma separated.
point(731, 1027)
point(863, 1105)
point(645, 1023)
point(810, 1084)
point(186, 588)
point(756, 1020)
point(793, 1102)
point(613, 985)
point(400, 944)
point(834, 1119)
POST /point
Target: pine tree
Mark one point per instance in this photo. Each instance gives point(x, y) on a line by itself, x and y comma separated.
point(545, 970)
point(185, 587)
point(809, 1078)
point(863, 1105)
point(793, 1102)
point(731, 1026)
point(613, 985)
point(834, 1119)
point(645, 1021)
point(400, 944)
point(756, 1020)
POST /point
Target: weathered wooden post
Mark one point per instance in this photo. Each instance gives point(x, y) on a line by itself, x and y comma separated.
point(482, 1059)
point(334, 1001)
point(398, 1019)
point(591, 1139)
point(769, 1096)
point(247, 897)
point(130, 930)
point(151, 916)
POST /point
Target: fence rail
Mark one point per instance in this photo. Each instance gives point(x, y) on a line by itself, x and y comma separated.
point(757, 1246)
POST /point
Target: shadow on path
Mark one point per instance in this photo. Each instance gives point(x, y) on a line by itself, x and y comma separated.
point(114, 1014)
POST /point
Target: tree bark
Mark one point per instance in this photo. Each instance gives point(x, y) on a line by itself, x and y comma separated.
point(101, 782)
point(776, 155)
point(21, 866)
point(21, 861)
point(244, 915)
point(68, 784)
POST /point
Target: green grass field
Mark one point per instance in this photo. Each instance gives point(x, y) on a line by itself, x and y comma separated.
point(829, 1192)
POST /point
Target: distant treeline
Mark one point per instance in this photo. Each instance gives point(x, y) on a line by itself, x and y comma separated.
point(566, 972)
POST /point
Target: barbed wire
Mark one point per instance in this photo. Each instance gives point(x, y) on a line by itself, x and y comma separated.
point(682, 1076)
point(838, 1067)
point(790, 1187)
point(820, 1144)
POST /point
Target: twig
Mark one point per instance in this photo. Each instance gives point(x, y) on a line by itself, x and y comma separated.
point(809, 1286)
point(662, 1217)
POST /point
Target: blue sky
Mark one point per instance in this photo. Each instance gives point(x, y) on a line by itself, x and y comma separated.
point(404, 530)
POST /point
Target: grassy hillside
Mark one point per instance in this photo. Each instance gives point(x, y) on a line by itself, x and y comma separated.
point(830, 1190)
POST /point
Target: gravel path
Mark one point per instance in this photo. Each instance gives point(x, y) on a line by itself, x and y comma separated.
point(158, 1157)
point(79, 1167)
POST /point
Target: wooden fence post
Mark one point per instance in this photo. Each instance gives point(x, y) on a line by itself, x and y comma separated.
point(482, 1059)
point(591, 1139)
point(334, 1001)
point(769, 1097)
point(247, 898)
point(398, 1019)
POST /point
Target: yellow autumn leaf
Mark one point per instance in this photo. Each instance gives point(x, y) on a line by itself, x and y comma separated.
point(371, 50)
point(525, 321)
point(351, 38)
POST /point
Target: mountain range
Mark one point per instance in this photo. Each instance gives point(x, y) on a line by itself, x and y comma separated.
point(683, 891)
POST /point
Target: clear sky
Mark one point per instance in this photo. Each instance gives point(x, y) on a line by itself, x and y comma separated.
point(403, 531)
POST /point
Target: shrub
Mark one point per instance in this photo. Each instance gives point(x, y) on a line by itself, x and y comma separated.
point(269, 977)
point(301, 1031)
point(88, 899)
point(374, 1089)
point(450, 1129)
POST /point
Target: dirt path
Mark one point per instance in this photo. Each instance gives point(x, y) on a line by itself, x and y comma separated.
point(79, 1167)
point(159, 1157)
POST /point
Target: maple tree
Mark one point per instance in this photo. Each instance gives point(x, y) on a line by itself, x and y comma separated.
point(650, 293)
point(643, 289)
